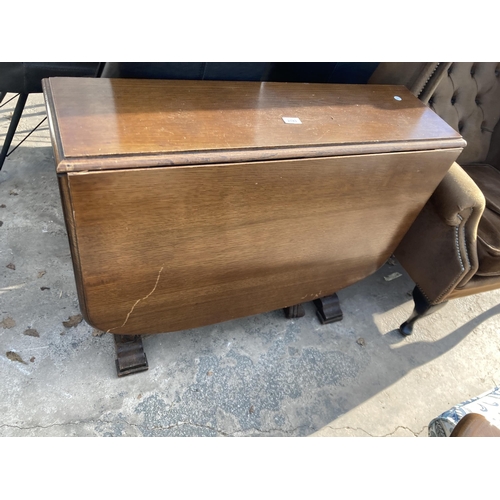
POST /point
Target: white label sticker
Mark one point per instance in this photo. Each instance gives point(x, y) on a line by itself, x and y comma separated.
point(289, 119)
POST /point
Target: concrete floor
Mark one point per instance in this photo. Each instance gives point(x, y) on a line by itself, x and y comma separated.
point(258, 376)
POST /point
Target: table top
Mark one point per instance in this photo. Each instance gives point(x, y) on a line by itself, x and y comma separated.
point(99, 124)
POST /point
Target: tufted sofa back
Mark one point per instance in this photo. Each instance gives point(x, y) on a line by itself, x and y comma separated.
point(468, 98)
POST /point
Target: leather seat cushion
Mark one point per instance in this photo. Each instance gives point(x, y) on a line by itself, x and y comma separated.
point(488, 234)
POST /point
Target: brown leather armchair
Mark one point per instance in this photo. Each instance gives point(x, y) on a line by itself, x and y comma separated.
point(453, 248)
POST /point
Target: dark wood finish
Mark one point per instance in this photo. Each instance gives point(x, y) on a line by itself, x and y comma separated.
point(169, 248)
point(422, 309)
point(70, 229)
point(162, 248)
point(475, 425)
point(328, 309)
point(130, 355)
point(139, 123)
point(296, 311)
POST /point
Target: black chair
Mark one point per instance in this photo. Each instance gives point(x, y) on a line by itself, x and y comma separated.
point(246, 71)
point(26, 78)
point(316, 72)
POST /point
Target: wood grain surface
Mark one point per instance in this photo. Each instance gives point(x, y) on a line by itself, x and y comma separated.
point(475, 425)
point(173, 248)
point(188, 203)
point(138, 123)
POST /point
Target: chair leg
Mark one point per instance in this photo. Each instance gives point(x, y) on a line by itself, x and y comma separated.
point(21, 101)
point(422, 308)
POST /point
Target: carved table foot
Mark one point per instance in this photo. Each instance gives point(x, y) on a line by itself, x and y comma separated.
point(328, 309)
point(296, 311)
point(130, 355)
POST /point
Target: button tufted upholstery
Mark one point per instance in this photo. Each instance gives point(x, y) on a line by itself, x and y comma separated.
point(468, 99)
point(453, 247)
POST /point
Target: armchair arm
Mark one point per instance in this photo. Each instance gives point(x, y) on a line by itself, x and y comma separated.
point(456, 196)
point(439, 251)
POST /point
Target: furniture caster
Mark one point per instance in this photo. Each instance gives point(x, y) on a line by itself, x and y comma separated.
point(296, 311)
point(130, 355)
point(328, 309)
point(422, 309)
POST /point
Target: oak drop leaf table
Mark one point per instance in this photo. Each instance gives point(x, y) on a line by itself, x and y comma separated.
point(189, 203)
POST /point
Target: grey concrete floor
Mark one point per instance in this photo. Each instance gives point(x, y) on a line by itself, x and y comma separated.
point(258, 376)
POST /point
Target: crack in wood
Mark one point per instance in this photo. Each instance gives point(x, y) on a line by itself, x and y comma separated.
point(139, 300)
